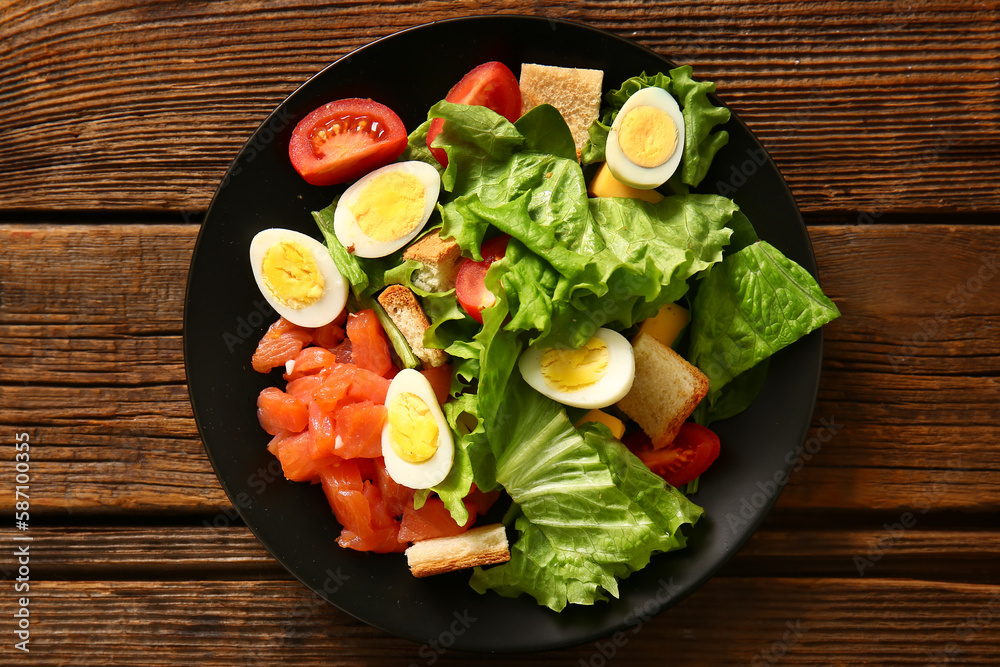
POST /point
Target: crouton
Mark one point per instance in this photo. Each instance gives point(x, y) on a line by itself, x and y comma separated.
point(666, 390)
point(404, 310)
point(440, 260)
point(576, 93)
point(484, 545)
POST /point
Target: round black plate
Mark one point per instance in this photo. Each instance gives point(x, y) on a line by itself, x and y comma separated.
point(225, 316)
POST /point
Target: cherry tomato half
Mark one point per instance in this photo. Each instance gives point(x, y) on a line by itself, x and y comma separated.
point(685, 459)
point(344, 140)
point(491, 85)
point(470, 283)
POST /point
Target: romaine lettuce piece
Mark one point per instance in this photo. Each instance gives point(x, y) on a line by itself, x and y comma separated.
point(587, 510)
point(702, 139)
point(749, 306)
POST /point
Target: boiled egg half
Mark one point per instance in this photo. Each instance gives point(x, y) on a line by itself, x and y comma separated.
point(297, 277)
point(386, 209)
point(596, 375)
point(416, 442)
point(646, 140)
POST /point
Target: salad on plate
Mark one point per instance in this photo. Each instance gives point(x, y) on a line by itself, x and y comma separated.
point(523, 318)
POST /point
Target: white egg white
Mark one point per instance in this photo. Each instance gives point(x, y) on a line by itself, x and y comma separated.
point(608, 390)
point(630, 173)
point(346, 227)
point(434, 470)
point(334, 297)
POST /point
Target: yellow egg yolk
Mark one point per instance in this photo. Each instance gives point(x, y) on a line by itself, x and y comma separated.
point(573, 370)
point(647, 136)
point(390, 206)
point(413, 430)
point(292, 275)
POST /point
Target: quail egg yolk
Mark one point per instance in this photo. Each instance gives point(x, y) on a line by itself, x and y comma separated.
point(292, 275)
point(413, 429)
point(390, 206)
point(647, 136)
point(573, 370)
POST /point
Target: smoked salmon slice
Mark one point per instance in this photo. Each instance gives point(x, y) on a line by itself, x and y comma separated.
point(278, 411)
point(282, 342)
point(369, 346)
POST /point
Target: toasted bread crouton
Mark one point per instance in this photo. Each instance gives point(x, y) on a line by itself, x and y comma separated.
point(576, 93)
point(440, 260)
point(665, 392)
point(403, 308)
point(484, 545)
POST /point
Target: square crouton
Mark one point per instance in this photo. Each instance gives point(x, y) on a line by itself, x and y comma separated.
point(666, 390)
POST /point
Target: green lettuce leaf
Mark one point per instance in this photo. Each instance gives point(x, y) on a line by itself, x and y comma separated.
point(625, 260)
point(578, 263)
point(749, 306)
point(416, 146)
point(546, 131)
point(702, 139)
point(588, 511)
point(701, 117)
point(474, 139)
point(367, 278)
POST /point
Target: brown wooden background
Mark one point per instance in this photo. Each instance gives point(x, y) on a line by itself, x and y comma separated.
point(117, 122)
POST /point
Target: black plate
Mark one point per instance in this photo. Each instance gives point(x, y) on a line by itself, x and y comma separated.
point(224, 319)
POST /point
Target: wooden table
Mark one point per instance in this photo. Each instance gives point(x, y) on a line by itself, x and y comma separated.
point(117, 122)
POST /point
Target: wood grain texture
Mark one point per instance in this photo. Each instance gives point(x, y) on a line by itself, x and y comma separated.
point(911, 367)
point(868, 108)
point(730, 621)
point(220, 547)
point(118, 119)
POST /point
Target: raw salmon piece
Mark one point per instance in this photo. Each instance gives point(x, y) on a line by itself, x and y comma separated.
point(432, 520)
point(379, 540)
point(366, 467)
point(275, 444)
point(369, 346)
point(303, 387)
point(333, 390)
point(396, 496)
point(344, 490)
point(323, 431)
point(278, 411)
point(357, 504)
point(439, 378)
point(309, 361)
point(344, 476)
point(343, 352)
point(359, 427)
point(282, 342)
point(483, 500)
point(330, 335)
point(295, 455)
point(367, 386)
point(384, 529)
point(283, 326)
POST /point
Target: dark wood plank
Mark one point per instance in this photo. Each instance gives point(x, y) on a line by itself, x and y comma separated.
point(910, 371)
point(220, 547)
point(867, 108)
point(729, 621)
point(910, 368)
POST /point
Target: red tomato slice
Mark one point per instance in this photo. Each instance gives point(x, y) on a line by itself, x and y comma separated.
point(344, 140)
point(491, 85)
point(685, 459)
point(470, 283)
